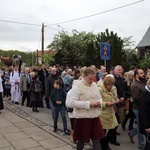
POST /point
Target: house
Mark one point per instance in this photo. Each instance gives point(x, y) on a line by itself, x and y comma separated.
point(144, 44)
point(45, 52)
point(5, 60)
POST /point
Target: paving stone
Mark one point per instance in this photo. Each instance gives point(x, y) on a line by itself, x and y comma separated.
point(24, 144)
point(4, 143)
point(52, 143)
point(16, 136)
point(41, 137)
point(12, 129)
point(8, 148)
point(37, 148)
point(25, 124)
point(5, 123)
point(14, 119)
point(32, 130)
point(68, 147)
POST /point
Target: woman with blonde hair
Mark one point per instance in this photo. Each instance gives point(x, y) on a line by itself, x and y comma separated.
point(128, 100)
point(86, 100)
point(107, 115)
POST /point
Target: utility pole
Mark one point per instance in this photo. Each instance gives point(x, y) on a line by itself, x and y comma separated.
point(37, 57)
point(42, 41)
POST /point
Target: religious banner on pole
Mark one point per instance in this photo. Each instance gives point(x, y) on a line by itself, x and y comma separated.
point(105, 51)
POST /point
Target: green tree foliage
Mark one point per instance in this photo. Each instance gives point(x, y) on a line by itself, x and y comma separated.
point(48, 59)
point(27, 57)
point(116, 45)
point(81, 48)
point(130, 54)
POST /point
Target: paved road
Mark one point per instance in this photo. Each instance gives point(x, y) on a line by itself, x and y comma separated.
point(43, 120)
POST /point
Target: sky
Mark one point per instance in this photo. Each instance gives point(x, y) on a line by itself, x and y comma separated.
point(124, 17)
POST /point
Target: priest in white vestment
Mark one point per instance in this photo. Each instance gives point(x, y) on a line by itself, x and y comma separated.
point(15, 89)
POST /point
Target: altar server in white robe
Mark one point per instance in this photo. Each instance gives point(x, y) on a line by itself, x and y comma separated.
point(15, 89)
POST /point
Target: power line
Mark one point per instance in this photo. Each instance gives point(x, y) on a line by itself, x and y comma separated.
point(23, 23)
point(113, 9)
point(16, 22)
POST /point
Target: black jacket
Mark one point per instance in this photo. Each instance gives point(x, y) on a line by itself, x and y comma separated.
point(144, 111)
point(50, 84)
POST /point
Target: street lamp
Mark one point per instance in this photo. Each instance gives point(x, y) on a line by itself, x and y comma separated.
point(60, 27)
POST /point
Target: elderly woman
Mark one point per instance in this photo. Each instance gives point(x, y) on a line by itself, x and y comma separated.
point(86, 100)
point(107, 115)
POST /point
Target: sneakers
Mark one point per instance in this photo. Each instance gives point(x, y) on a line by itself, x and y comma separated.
point(55, 130)
point(67, 132)
point(130, 137)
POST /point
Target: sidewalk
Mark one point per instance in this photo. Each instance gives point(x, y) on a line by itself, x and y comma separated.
point(18, 133)
point(22, 129)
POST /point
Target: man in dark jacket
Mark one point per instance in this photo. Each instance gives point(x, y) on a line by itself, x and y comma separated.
point(136, 89)
point(50, 84)
point(119, 83)
point(43, 74)
point(144, 115)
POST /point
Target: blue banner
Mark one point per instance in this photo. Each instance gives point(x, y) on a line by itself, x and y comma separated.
point(105, 51)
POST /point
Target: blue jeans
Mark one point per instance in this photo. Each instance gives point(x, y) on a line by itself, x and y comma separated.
point(52, 109)
point(136, 131)
point(60, 109)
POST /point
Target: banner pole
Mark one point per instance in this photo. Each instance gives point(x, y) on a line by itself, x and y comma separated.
point(105, 63)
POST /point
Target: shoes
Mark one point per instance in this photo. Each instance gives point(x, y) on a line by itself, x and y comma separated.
point(141, 147)
point(36, 110)
point(108, 148)
point(16, 103)
point(33, 109)
point(55, 130)
point(130, 128)
point(131, 138)
point(48, 107)
point(12, 101)
point(123, 125)
point(115, 143)
point(117, 133)
point(67, 132)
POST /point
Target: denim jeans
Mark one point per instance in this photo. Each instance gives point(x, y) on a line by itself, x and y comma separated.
point(136, 131)
point(60, 109)
point(52, 109)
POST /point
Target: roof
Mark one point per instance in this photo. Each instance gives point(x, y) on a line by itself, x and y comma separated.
point(47, 52)
point(5, 58)
point(145, 42)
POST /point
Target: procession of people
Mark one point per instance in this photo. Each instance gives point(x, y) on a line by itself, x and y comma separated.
point(97, 100)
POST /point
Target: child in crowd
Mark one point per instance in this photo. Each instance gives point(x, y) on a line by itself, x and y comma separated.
point(58, 97)
point(35, 95)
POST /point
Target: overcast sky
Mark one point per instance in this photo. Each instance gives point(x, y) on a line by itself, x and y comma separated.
point(127, 21)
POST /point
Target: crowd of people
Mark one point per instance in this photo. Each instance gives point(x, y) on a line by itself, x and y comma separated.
point(97, 100)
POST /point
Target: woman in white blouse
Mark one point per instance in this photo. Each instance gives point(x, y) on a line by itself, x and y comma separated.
point(86, 100)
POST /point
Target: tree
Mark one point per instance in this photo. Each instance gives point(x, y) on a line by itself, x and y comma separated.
point(48, 59)
point(82, 48)
point(116, 44)
point(130, 54)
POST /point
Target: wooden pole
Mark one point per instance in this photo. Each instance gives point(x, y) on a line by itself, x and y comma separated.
point(42, 41)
